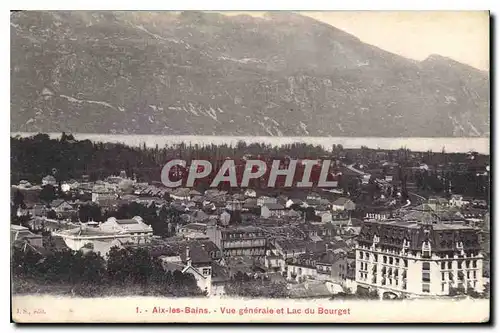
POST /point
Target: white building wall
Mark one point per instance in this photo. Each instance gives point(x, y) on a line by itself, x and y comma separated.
point(414, 276)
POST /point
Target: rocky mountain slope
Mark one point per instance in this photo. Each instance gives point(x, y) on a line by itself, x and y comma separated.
point(208, 73)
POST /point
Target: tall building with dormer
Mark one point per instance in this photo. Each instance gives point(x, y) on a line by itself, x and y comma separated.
point(408, 258)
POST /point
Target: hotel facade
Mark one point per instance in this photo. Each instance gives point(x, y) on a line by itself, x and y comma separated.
point(410, 259)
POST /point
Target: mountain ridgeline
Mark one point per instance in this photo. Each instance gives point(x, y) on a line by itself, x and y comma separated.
point(197, 73)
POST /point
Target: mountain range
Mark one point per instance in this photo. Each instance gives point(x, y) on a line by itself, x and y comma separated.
point(205, 73)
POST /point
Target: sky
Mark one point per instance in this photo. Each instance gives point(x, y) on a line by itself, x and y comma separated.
point(460, 35)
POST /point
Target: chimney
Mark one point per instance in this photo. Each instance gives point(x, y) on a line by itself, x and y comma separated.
point(188, 256)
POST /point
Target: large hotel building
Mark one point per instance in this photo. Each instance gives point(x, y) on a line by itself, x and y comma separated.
point(411, 259)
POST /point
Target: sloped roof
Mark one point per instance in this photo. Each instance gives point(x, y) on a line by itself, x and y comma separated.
point(341, 201)
point(309, 289)
point(198, 249)
point(274, 206)
point(126, 221)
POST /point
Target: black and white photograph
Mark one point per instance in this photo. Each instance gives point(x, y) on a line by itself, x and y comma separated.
point(250, 166)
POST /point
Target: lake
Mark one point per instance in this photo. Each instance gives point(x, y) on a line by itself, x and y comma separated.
point(451, 145)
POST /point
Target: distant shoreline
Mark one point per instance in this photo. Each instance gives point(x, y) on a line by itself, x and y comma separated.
point(422, 144)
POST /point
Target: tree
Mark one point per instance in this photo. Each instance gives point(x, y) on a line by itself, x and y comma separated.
point(89, 213)
point(51, 214)
point(118, 265)
point(47, 194)
point(19, 200)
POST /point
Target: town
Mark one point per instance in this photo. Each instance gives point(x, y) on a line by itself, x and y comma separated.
point(94, 219)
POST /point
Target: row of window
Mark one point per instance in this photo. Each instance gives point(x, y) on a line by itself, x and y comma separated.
point(388, 282)
point(389, 273)
point(443, 285)
point(239, 251)
point(468, 264)
point(243, 235)
point(385, 259)
point(450, 275)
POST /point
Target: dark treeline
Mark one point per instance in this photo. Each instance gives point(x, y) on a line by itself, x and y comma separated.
point(34, 157)
point(88, 274)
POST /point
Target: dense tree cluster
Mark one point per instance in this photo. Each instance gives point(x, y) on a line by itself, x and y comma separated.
point(89, 274)
point(242, 285)
point(34, 157)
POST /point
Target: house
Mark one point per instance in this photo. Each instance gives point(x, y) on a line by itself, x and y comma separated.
point(192, 261)
point(250, 193)
point(343, 203)
point(208, 206)
point(101, 196)
point(24, 184)
point(39, 210)
point(63, 209)
point(193, 231)
point(108, 205)
point(326, 231)
point(198, 216)
point(312, 203)
point(238, 197)
point(266, 200)
point(60, 205)
point(289, 248)
point(272, 210)
point(313, 196)
point(436, 202)
point(458, 201)
point(324, 266)
point(234, 205)
point(282, 199)
point(18, 232)
point(325, 216)
point(196, 257)
point(293, 214)
point(480, 204)
point(198, 200)
point(238, 240)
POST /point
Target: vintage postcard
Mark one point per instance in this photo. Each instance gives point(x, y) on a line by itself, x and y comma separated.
point(235, 167)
